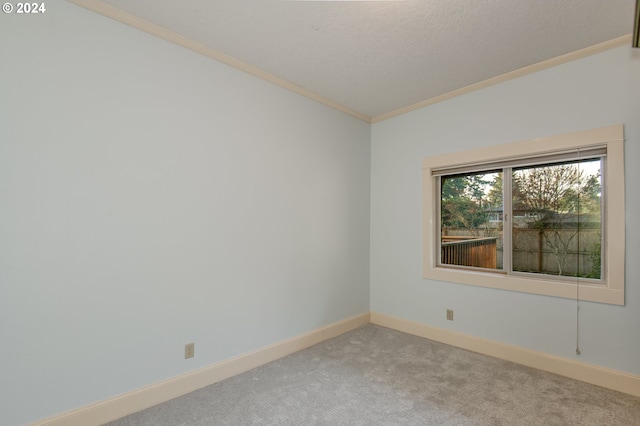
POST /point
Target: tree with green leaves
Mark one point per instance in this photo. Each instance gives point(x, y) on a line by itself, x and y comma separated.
point(560, 196)
point(462, 202)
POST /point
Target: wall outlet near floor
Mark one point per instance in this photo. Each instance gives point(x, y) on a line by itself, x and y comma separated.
point(189, 350)
point(450, 314)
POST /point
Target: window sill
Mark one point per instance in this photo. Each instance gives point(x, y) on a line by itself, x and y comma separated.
point(542, 286)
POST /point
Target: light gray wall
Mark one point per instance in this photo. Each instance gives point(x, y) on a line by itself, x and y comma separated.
point(597, 91)
point(151, 197)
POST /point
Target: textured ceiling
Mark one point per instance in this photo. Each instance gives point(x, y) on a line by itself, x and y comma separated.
point(375, 57)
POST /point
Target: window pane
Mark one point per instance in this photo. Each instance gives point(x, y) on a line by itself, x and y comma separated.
point(471, 220)
point(556, 226)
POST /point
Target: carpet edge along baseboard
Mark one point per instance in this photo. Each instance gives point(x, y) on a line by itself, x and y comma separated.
point(593, 374)
point(137, 400)
point(148, 396)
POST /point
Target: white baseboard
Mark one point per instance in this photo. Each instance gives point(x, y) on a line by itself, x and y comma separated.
point(131, 402)
point(611, 379)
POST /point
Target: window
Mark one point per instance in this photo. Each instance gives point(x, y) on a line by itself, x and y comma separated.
point(543, 216)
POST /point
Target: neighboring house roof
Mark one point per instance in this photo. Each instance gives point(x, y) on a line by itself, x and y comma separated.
point(546, 216)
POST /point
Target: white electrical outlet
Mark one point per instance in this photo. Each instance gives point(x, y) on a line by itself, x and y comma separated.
point(189, 350)
point(450, 314)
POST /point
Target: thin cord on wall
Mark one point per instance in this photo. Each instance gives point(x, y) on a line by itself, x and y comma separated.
point(578, 310)
point(636, 27)
point(578, 270)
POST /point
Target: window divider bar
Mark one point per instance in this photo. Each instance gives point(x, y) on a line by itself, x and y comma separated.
point(507, 220)
point(438, 242)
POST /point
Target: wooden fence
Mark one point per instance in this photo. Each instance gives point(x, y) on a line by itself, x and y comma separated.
point(469, 251)
point(532, 254)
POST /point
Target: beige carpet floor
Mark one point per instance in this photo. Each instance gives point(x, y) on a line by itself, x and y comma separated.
point(377, 376)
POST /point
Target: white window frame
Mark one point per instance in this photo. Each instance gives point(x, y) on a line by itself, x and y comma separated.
point(610, 289)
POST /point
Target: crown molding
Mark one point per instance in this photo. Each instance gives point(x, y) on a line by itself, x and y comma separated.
point(175, 38)
point(520, 72)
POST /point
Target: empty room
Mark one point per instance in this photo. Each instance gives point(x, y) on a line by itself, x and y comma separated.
point(272, 212)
